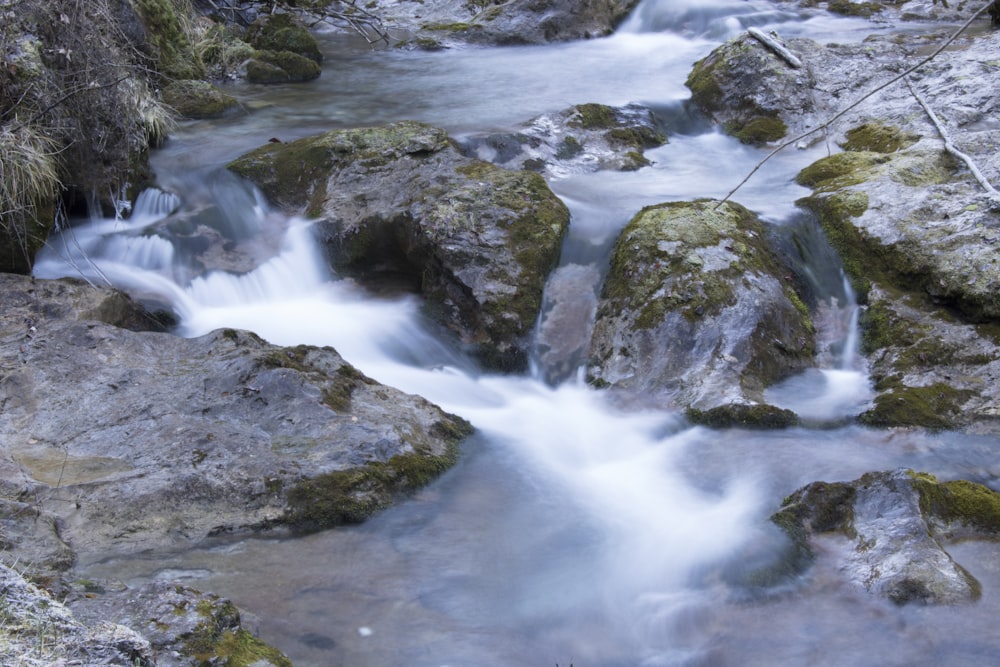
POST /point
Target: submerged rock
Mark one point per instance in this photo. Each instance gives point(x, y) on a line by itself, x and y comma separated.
point(135, 440)
point(586, 137)
point(402, 201)
point(695, 311)
point(894, 524)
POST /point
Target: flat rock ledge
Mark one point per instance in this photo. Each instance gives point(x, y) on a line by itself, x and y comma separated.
point(116, 441)
point(891, 530)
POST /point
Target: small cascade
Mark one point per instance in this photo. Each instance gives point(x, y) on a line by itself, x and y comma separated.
point(714, 19)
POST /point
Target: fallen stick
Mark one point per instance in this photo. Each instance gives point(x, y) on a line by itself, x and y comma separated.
point(775, 46)
point(949, 146)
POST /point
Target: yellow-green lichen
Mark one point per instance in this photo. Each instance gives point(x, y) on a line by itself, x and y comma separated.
point(974, 506)
point(878, 138)
point(935, 406)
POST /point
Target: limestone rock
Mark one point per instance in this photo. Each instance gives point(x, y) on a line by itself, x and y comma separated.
point(895, 524)
point(695, 311)
point(133, 440)
point(476, 240)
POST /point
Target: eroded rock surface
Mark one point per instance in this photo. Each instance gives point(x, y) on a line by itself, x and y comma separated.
point(133, 440)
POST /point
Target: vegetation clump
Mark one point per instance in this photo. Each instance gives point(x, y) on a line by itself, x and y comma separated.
point(960, 505)
point(878, 138)
point(935, 406)
point(742, 415)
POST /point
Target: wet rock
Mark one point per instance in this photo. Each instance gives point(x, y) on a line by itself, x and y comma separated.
point(476, 240)
point(183, 626)
point(38, 630)
point(929, 369)
point(586, 137)
point(894, 526)
point(755, 95)
point(494, 22)
point(133, 440)
point(197, 99)
point(695, 311)
point(916, 230)
point(282, 32)
point(280, 67)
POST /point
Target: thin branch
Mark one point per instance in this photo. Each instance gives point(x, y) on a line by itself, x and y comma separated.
point(861, 99)
point(775, 46)
point(950, 147)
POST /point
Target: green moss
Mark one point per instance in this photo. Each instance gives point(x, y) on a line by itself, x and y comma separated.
point(758, 130)
point(219, 639)
point(281, 67)
point(351, 496)
point(972, 505)
point(177, 57)
point(280, 32)
point(639, 137)
point(878, 138)
point(848, 8)
point(656, 268)
point(704, 85)
point(568, 148)
point(739, 415)
point(861, 259)
point(936, 406)
point(197, 99)
point(594, 117)
point(840, 170)
point(450, 27)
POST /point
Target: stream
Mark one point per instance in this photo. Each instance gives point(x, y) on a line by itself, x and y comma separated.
point(571, 532)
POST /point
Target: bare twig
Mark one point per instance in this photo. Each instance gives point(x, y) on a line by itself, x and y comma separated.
point(949, 146)
point(842, 112)
point(775, 46)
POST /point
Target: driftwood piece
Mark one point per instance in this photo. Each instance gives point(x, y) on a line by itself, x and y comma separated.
point(950, 146)
point(776, 46)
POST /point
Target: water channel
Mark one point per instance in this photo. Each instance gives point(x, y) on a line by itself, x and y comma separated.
point(571, 531)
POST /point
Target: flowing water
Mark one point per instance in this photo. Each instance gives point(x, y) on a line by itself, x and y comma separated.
point(571, 531)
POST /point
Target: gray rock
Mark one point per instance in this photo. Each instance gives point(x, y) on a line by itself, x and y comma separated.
point(39, 631)
point(695, 311)
point(476, 240)
point(583, 138)
point(183, 626)
point(494, 22)
point(134, 440)
point(894, 524)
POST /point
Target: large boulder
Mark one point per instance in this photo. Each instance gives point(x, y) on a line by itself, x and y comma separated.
point(476, 240)
point(896, 525)
point(136, 439)
point(696, 310)
point(917, 231)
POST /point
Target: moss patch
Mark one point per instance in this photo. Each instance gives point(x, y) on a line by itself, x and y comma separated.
point(841, 170)
point(878, 138)
point(758, 129)
point(177, 56)
point(972, 505)
point(758, 416)
point(351, 496)
point(848, 8)
point(936, 406)
point(197, 99)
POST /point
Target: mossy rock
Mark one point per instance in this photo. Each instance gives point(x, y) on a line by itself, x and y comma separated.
point(841, 170)
point(269, 67)
point(281, 32)
point(876, 137)
point(742, 415)
point(758, 130)
point(175, 55)
point(197, 99)
point(936, 406)
point(959, 506)
point(220, 639)
point(353, 495)
point(22, 238)
point(849, 8)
